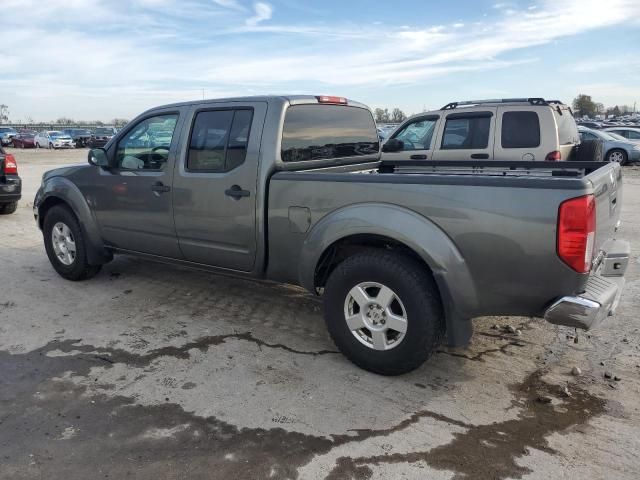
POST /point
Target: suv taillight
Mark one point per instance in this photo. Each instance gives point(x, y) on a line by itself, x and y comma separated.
point(576, 232)
point(10, 165)
point(554, 156)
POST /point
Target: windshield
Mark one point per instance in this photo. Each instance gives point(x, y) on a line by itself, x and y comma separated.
point(56, 134)
point(103, 131)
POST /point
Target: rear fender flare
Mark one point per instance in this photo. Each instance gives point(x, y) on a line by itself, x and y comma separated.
point(416, 232)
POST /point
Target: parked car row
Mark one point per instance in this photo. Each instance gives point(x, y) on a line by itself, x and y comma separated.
point(67, 138)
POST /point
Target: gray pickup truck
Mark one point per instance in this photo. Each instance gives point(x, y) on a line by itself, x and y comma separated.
point(292, 189)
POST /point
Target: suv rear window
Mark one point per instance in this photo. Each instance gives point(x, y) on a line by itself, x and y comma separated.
point(322, 132)
point(520, 130)
point(567, 128)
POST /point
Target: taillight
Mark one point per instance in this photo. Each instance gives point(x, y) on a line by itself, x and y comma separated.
point(576, 232)
point(10, 165)
point(554, 156)
point(330, 99)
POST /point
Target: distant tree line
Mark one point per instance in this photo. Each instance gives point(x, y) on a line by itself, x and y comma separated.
point(61, 122)
point(384, 116)
point(583, 105)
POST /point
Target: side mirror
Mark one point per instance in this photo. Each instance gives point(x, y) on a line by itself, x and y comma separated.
point(98, 157)
point(393, 145)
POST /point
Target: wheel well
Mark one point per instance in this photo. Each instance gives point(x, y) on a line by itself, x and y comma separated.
point(46, 206)
point(340, 250)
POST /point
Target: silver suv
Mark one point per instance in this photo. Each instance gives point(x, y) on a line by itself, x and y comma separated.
point(529, 129)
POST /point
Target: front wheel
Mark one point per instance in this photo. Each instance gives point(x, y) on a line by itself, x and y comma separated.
point(50, 146)
point(66, 246)
point(383, 311)
point(617, 156)
point(8, 208)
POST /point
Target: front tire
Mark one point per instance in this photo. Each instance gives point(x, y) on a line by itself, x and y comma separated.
point(66, 246)
point(618, 156)
point(383, 311)
point(8, 208)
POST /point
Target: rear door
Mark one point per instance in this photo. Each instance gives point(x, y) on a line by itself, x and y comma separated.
point(519, 135)
point(418, 136)
point(215, 184)
point(466, 135)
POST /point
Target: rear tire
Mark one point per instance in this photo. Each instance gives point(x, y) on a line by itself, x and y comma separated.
point(617, 156)
point(78, 268)
point(8, 208)
point(590, 151)
point(415, 297)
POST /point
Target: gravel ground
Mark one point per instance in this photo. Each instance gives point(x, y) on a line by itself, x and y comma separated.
point(157, 372)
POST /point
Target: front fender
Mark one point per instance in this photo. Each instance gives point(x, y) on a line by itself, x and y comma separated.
point(62, 189)
point(407, 227)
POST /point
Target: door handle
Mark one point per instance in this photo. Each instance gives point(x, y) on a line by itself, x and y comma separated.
point(484, 156)
point(237, 192)
point(160, 187)
point(418, 157)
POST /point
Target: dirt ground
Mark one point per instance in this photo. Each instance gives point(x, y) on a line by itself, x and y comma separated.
point(151, 371)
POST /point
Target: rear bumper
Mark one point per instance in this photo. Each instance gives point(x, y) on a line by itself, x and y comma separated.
point(10, 189)
point(601, 295)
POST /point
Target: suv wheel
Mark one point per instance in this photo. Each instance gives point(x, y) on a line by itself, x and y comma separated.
point(8, 208)
point(65, 245)
point(383, 311)
point(618, 156)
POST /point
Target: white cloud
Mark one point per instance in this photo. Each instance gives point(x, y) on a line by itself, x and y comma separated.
point(263, 11)
point(112, 58)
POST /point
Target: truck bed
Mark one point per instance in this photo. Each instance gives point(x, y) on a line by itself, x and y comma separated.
point(501, 218)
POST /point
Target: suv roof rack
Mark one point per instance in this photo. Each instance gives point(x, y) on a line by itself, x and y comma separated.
point(531, 100)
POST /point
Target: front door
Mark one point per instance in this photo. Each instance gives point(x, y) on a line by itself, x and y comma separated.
point(215, 185)
point(466, 136)
point(132, 200)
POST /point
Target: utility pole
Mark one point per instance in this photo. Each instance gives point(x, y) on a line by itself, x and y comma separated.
point(203, 93)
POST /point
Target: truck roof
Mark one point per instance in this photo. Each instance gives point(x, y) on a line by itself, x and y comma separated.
point(291, 99)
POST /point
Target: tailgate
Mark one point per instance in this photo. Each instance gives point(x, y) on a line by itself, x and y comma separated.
point(607, 189)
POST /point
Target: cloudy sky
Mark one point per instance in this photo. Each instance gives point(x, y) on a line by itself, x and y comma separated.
point(100, 59)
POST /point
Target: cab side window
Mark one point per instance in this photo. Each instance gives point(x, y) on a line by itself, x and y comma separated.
point(219, 140)
point(146, 146)
point(417, 135)
point(466, 131)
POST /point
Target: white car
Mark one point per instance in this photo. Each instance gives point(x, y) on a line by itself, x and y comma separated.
point(529, 129)
point(53, 139)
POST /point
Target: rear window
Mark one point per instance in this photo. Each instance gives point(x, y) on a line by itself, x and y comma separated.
point(567, 128)
point(322, 132)
point(520, 130)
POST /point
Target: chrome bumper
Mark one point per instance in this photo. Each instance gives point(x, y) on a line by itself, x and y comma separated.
point(601, 295)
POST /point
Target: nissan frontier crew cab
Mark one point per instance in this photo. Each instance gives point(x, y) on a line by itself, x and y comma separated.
point(292, 189)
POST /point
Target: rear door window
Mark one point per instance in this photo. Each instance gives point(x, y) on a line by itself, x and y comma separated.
point(466, 131)
point(520, 130)
point(323, 132)
point(219, 140)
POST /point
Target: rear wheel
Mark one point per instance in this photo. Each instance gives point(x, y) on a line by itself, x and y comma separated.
point(37, 145)
point(66, 246)
point(383, 311)
point(617, 156)
point(8, 208)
